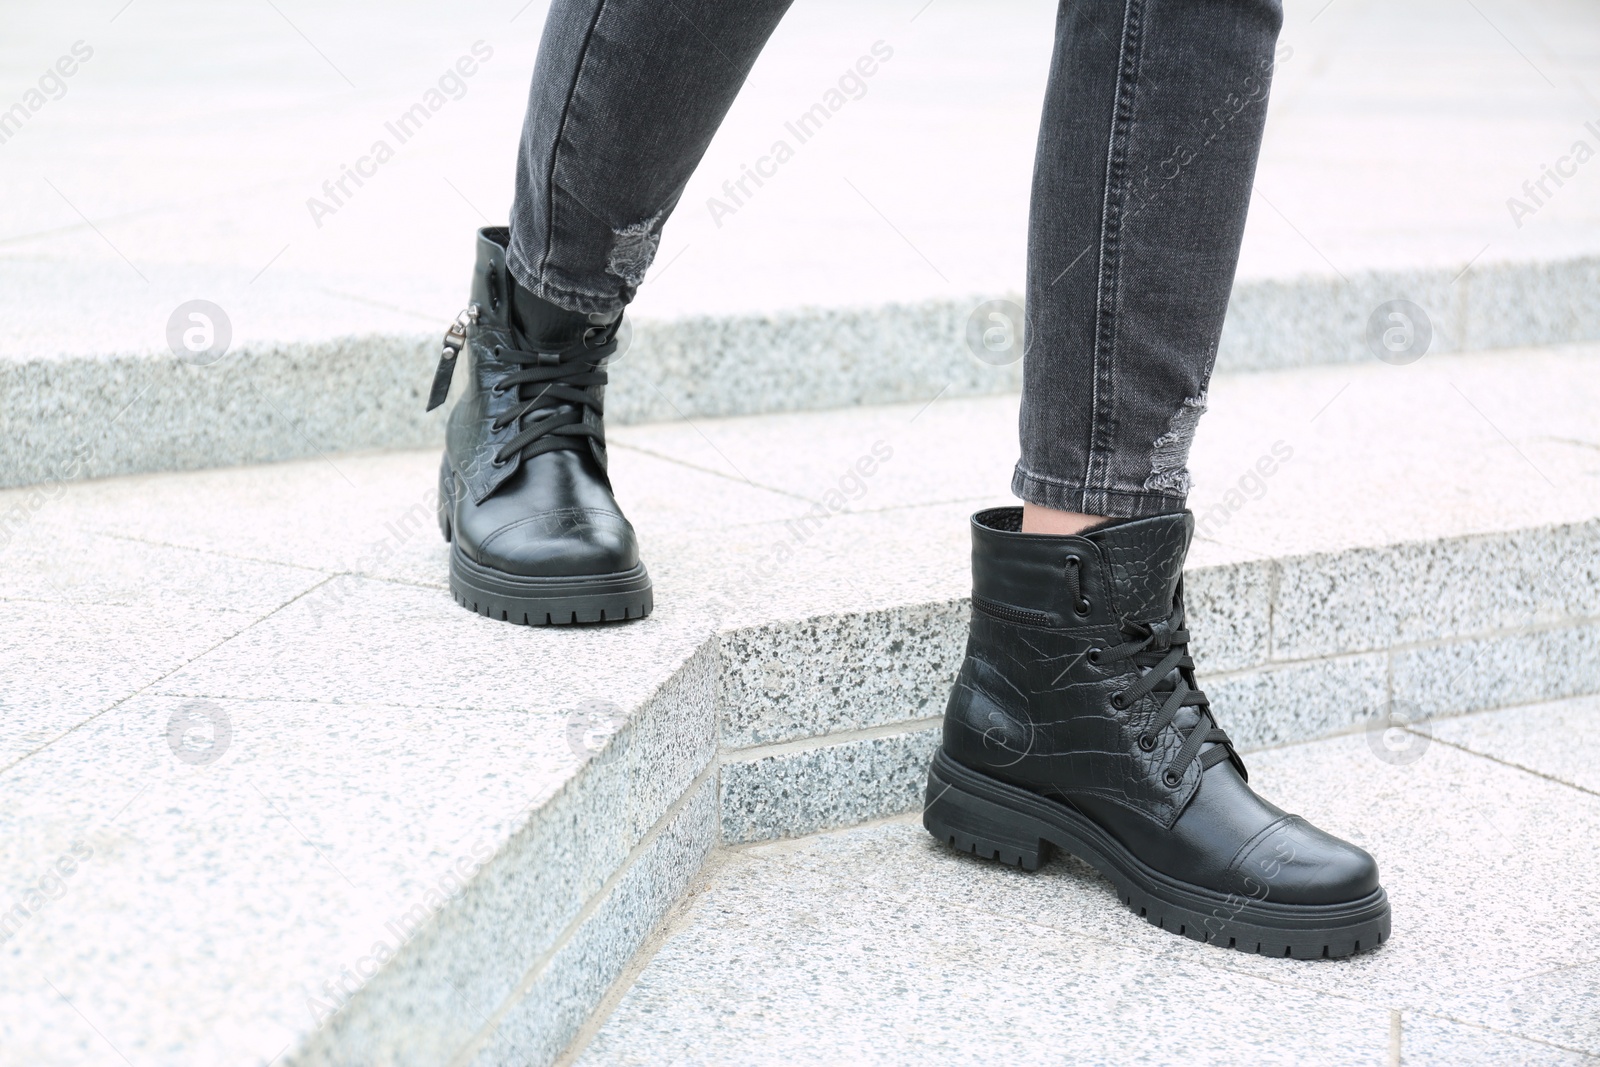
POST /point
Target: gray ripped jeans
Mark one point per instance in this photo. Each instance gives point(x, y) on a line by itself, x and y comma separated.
point(1147, 151)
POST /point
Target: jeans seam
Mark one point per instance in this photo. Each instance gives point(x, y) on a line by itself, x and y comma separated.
point(561, 132)
point(1102, 423)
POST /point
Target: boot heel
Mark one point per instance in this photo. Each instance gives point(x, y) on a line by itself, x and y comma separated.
point(969, 823)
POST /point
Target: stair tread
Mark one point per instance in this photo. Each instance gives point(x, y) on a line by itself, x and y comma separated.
point(879, 944)
point(305, 602)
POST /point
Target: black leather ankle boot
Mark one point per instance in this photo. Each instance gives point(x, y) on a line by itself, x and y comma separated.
point(537, 537)
point(1076, 723)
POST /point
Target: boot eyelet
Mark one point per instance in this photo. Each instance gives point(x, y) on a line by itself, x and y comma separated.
point(1093, 655)
point(1147, 743)
point(1172, 780)
point(1119, 702)
point(1083, 607)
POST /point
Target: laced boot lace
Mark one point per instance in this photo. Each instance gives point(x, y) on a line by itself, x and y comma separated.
point(1161, 649)
point(555, 388)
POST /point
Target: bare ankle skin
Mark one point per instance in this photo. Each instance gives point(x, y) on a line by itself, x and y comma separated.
point(1036, 519)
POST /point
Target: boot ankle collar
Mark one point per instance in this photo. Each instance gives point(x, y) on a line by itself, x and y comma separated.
point(491, 278)
point(1125, 569)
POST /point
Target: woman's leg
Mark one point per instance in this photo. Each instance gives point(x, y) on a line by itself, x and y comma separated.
point(1147, 151)
point(1077, 720)
point(626, 96)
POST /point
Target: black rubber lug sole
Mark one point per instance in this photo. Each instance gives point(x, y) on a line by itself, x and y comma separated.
point(550, 601)
point(991, 819)
point(514, 598)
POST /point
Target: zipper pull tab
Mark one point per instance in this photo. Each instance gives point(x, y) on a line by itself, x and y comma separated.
point(455, 339)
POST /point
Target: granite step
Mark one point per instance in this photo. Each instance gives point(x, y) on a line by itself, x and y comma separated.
point(271, 796)
point(881, 945)
point(856, 276)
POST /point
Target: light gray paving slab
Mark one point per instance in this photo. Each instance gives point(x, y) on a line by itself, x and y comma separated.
point(1272, 705)
point(1426, 1041)
point(356, 639)
point(248, 888)
point(1326, 459)
point(450, 847)
point(369, 514)
point(814, 676)
point(1487, 871)
point(767, 795)
point(809, 566)
point(885, 922)
point(1285, 463)
point(552, 1002)
point(1548, 739)
point(787, 956)
point(858, 459)
point(54, 562)
point(1498, 671)
point(1228, 608)
point(64, 663)
point(1348, 603)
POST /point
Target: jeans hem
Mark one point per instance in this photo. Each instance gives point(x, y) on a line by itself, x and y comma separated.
point(567, 299)
point(1111, 503)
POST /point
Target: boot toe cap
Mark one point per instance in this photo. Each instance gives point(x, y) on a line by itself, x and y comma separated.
point(569, 542)
point(1296, 863)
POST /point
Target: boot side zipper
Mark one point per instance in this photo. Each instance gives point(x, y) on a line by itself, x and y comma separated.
point(455, 339)
point(1019, 616)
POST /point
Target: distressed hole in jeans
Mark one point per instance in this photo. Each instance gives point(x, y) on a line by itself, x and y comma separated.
point(1169, 460)
point(633, 247)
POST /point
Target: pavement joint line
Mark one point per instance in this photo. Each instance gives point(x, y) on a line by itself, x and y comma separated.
point(696, 428)
point(675, 920)
point(1284, 979)
point(1549, 970)
point(1505, 762)
point(773, 847)
point(525, 985)
point(751, 753)
point(218, 553)
point(681, 462)
point(400, 705)
point(1587, 1053)
point(1566, 622)
point(886, 509)
point(5, 769)
point(71, 602)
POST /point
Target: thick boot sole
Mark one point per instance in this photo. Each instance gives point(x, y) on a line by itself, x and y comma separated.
point(529, 601)
point(975, 813)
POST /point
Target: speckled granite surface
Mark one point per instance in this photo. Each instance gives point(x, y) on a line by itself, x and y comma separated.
point(1397, 139)
point(263, 768)
point(881, 945)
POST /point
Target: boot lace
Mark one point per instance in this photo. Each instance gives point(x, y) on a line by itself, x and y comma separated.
point(1161, 649)
point(555, 387)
